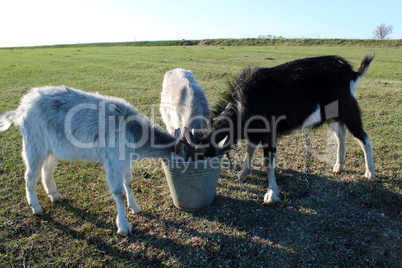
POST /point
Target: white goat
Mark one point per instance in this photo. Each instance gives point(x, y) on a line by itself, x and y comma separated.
point(65, 123)
point(184, 103)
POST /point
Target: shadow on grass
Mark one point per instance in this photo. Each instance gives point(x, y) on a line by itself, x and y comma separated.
point(109, 252)
point(336, 223)
point(333, 223)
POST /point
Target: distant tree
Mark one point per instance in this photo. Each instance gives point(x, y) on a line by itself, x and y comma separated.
point(382, 31)
point(270, 36)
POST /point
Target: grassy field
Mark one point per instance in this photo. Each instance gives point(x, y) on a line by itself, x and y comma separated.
point(345, 220)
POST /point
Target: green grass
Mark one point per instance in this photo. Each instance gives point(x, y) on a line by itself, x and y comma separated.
point(393, 43)
point(345, 220)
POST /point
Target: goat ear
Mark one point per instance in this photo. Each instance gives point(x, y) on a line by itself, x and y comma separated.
point(178, 147)
point(188, 140)
point(177, 133)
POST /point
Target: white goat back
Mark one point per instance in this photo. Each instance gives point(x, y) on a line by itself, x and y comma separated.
point(183, 101)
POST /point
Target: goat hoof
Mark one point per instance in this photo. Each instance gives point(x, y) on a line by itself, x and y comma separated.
point(136, 210)
point(124, 231)
point(369, 175)
point(271, 198)
point(37, 210)
point(124, 228)
point(338, 168)
point(56, 198)
point(242, 177)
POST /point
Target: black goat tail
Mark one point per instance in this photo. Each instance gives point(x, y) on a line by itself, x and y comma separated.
point(365, 64)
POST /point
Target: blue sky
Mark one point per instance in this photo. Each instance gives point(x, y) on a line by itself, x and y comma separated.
point(47, 22)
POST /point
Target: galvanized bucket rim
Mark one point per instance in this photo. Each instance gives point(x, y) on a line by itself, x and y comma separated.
point(190, 162)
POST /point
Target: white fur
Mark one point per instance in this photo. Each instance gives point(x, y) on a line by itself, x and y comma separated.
point(313, 118)
point(368, 156)
point(271, 197)
point(183, 102)
point(340, 135)
point(247, 162)
point(102, 129)
point(352, 87)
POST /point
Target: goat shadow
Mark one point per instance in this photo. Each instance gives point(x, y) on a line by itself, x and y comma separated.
point(283, 229)
point(105, 248)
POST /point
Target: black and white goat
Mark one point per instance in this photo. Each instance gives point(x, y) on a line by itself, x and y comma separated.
point(263, 103)
point(69, 124)
point(184, 104)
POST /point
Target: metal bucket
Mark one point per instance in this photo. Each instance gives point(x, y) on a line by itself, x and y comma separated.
point(192, 184)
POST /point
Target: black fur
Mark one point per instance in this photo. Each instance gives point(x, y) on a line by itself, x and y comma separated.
point(291, 91)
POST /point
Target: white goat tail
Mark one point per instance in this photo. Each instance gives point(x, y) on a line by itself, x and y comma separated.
point(6, 120)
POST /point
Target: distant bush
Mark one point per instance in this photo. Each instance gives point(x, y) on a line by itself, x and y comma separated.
point(396, 43)
point(186, 43)
point(204, 43)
